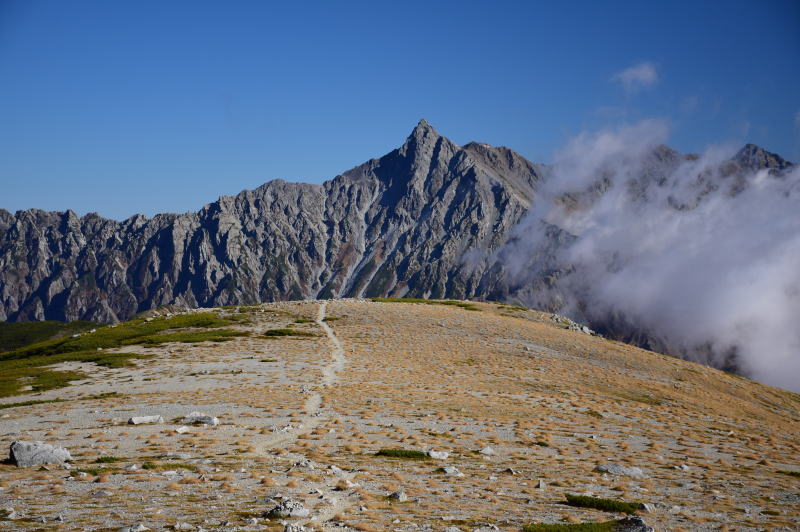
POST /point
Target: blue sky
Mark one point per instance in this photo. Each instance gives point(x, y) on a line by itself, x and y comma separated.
point(126, 107)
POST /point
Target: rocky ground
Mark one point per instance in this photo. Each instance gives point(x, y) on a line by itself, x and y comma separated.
point(514, 408)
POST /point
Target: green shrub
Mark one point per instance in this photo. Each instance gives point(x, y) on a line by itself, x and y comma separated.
point(272, 333)
point(109, 459)
point(448, 302)
point(607, 526)
point(408, 454)
point(607, 505)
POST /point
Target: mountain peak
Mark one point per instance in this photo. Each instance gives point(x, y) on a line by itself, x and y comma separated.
point(422, 139)
point(754, 157)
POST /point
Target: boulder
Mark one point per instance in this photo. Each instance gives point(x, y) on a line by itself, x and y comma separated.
point(198, 418)
point(616, 469)
point(632, 524)
point(142, 420)
point(451, 471)
point(288, 508)
point(31, 453)
point(438, 455)
point(399, 496)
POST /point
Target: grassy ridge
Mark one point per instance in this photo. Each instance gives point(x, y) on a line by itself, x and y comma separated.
point(448, 302)
point(25, 365)
point(16, 335)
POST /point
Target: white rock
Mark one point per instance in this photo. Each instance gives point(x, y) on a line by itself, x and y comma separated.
point(451, 471)
point(616, 469)
point(488, 451)
point(182, 526)
point(182, 429)
point(399, 496)
point(138, 527)
point(288, 508)
point(438, 455)
point(198, 418)
point(143, 420)
point(31, 453)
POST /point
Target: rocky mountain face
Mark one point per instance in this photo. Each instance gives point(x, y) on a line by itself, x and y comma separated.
point(398, 225)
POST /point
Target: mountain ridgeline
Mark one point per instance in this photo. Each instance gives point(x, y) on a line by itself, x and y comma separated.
point(431, 219)
point(397, 225)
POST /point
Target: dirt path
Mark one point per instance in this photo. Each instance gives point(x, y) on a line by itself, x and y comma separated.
point(314, 416)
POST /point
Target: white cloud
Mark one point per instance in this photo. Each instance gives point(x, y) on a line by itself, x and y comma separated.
point(637, 77)
point(715, 278)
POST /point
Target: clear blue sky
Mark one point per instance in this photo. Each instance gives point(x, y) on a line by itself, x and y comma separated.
point(126, 107)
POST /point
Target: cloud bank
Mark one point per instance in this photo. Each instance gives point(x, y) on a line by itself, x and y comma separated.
point(699, 255)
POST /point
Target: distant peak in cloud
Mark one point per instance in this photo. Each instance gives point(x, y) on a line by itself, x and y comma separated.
point(637, 77)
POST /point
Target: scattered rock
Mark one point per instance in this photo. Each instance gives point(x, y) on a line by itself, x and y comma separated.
point(294, 528)
point(633, 524)
point(182, 526)
point(31, 453)
point(616, 469)
point(143, 420)
point(198, 418)
point(288, 508)
point(542, 484)
point(438, 455)
point(138, 527)
point(451, 471)
point(646, 508)
point(399, 496)
point(487, 451)
point(182, 430)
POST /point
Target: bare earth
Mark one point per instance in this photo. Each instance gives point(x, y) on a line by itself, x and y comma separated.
point(302, 418)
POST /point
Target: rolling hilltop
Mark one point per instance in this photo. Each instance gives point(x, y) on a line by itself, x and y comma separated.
point(382, 415)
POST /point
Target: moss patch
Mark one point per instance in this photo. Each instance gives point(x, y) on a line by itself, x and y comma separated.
point(607, 505)
point(447, 302)
point(607, 526)
point(408, 454)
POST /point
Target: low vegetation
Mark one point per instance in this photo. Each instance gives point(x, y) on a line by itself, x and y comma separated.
point(272, 333)
point(25, 366)
point(607, 505)
point(408, 454)
point(606, 526)
point(16, 335)
point(795, 474)
point(449, 302)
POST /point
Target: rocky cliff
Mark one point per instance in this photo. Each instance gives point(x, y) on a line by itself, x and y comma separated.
point(397, 225)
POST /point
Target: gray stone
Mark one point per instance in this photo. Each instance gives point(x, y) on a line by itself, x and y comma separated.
point(31, 453)
point(487, 451)
point(633, 524)
point(198, 418)
point(399, 496)
point(451, 471)
point(294, 528)
point(143, 420)
point(138, 527)
point(288, 508)
point(617, 469)
point(438, 455)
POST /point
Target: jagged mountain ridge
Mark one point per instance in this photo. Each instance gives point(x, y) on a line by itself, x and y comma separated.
point(397, 224)
point(401, 225)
